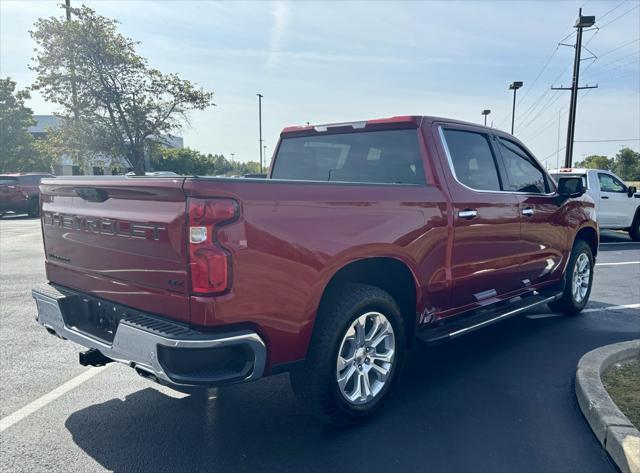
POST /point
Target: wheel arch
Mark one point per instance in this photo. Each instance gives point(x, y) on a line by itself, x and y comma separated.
point(589, 235)
point(388, 273)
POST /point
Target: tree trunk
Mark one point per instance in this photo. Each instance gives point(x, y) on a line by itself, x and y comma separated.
point(137, 159)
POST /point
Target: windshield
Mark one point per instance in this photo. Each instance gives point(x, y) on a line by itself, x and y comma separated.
point(7, 181)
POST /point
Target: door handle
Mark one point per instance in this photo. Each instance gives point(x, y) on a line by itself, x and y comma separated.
point(604, 197)
point(528, 212)
point(467, 213)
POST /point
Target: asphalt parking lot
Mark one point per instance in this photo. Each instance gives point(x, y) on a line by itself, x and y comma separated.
point(500, 399)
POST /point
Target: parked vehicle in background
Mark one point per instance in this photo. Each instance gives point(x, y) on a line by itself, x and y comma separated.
point(364, 238)
point(154, 173)
point(19, 193)
point(617, 205)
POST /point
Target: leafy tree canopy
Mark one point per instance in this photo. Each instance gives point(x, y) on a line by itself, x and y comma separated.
point(187, 161)
point(625, 164)
point(18, 150)
point(596, 162)
point(113, 102)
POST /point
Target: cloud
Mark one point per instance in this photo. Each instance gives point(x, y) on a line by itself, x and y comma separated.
point(281, 14)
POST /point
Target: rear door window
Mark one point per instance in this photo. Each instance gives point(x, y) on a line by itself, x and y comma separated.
point(385, 157)
point(523, 172)
point(472, 159)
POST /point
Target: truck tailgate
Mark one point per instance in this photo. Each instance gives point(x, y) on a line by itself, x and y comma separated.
point(121, 239)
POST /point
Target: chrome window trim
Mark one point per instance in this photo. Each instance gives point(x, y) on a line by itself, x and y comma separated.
point(445, 146)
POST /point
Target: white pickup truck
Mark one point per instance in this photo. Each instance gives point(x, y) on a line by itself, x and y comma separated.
point(617, 205)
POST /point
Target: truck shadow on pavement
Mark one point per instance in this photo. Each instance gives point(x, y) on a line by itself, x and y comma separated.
point(500, 399)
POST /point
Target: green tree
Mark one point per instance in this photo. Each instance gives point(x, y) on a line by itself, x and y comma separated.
point(114, 104)
point(182, 161)
point(188, 161)
point(627, 164)
point(596, 162)
point(18, 150)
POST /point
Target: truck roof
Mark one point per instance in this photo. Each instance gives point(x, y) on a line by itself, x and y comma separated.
point(377, 123)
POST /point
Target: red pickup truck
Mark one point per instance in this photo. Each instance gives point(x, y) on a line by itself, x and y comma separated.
point(363, 238)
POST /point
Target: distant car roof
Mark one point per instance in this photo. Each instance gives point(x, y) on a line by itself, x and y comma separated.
point(18, 174)
point(571, 170)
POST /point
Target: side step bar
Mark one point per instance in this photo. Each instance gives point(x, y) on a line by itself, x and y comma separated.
point(463, 324)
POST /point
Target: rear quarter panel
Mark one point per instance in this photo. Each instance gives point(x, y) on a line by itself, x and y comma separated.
point(292, 237)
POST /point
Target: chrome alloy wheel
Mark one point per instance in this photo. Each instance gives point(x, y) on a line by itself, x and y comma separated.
point(365, 357)
point(581, 277)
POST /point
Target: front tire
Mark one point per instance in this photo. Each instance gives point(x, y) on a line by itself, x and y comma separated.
point(634, 231)
point(578, 280)
point(355, 355)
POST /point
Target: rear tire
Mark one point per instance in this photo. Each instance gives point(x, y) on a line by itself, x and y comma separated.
point(354, 357)
point(34, 208)
point(578, 280)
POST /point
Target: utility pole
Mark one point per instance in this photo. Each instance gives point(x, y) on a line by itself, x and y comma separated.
point(581, 23)
point(514, 86)
point(485, 113)
point(260, 126)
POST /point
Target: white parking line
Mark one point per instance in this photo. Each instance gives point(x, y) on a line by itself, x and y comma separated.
point(585, 311)
point(51, 396)
point(618, 264)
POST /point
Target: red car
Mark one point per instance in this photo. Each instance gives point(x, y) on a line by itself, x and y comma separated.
point(363, 238)
point(20, 193)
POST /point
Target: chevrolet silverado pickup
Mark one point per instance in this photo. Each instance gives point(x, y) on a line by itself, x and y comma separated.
point(364, 238)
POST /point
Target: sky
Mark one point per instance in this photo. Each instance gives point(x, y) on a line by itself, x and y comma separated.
point(323, 62)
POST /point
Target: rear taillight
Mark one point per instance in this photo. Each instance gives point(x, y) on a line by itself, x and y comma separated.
point(209, 262)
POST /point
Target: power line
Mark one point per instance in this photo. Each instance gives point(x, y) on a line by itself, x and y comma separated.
point(523, 125)
point(551, 155)
point(606, 141)
point(620, 16)
point(635, 53)
point(608, 12)
point(563, 111)
point(618, 47)
point(619, 66)
point(553, 99)
point(544, 67)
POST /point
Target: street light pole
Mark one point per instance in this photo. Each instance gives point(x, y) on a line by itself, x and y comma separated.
point(485, 113)
point(265, 156)
point(514, 86)
point(260, 126)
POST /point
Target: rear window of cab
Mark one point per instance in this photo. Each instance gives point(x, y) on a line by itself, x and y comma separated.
point(384, 157)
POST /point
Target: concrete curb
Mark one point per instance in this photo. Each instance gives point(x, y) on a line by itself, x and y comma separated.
point(614, 431)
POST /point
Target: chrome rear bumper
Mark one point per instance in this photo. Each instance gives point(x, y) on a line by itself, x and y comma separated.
point(155, 347)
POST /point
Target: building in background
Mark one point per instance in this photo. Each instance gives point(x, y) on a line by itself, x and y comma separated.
point(97, 165)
